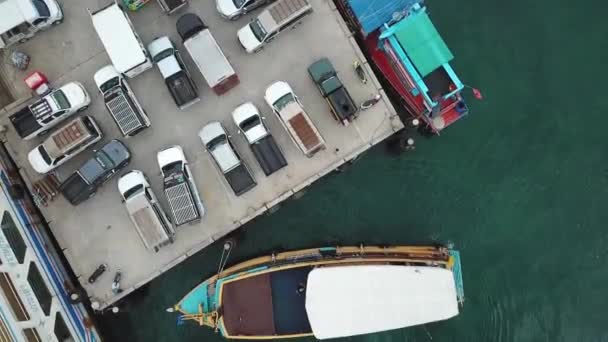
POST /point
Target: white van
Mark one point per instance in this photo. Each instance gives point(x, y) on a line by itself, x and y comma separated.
point(149, 219)
point(21, 19)
point(126, 51)
point(276, 18)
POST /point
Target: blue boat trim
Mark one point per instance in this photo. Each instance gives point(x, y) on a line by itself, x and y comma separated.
point(457, 272)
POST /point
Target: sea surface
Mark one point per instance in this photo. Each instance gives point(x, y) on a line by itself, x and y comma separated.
point(520, 187)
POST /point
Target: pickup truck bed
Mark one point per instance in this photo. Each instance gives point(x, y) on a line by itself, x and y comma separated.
point(342, 104)
point(182, 203)
point(240, 180)
point(170, 6)
point(121, 108)
point(268, 155)
point(182, 90)
point(24, 122)
point(75, 189)
point(325, 77)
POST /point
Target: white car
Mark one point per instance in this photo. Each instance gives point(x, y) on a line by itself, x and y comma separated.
point(233, 9)
point(65, 143)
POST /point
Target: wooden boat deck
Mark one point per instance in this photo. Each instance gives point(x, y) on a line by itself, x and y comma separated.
point(268, 304)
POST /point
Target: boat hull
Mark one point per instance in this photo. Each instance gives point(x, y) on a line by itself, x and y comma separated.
point(264, 298)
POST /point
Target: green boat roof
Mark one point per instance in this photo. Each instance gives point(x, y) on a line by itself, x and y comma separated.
point(422, 43)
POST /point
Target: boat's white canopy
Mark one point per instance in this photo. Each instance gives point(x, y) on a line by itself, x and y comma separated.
point(352, 300)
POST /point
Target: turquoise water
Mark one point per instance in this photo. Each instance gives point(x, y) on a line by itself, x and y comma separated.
point(520, 187)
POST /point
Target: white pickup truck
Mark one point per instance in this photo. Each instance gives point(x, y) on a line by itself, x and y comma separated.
point(236, 172)
point(44, 114)
point(180, 189)
point(120, 101)
point(174, 72)
point(265, 149)
point(286, 105)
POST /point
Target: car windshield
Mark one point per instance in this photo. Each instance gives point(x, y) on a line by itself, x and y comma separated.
point(104, 160)
point(258, 30)
point(239, 3)
point(61, 100)
point(44, 154)
point(250, 123)
point(42, 8)
point(113, 82)
point(172, 167)
point(133, 190)
point(215, 142)
point(283, 101)
point(163, 54)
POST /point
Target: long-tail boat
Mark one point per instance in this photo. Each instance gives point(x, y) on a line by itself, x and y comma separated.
point(328, 292)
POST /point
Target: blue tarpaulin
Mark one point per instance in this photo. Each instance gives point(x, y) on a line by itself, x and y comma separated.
point(372, 14)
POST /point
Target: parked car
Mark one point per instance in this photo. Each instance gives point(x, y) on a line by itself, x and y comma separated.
point(180, 189)
point(234, 9)
point(227, 159)
point(276, 18)
point(63, 144)
point(265, 149)
point(44, 114)
point(206, 53)
point(21, 19)
point(340, 102)
point(120, 101)
point(122, 44)
point(152, 224)
point(172, 6)
point(286, 105)
point(84, 182)
point(174, 72)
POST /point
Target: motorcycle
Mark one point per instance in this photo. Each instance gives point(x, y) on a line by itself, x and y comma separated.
point(367, 104)
point(97, 273)
point(116, 283)
point(360, 72)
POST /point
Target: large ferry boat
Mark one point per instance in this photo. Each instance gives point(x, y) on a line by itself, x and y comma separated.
point(328, 292)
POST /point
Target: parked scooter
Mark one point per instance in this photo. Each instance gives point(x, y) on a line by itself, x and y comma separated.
point(116, 283)
point(97, 273)
point(367, 104)
point(360, 72)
